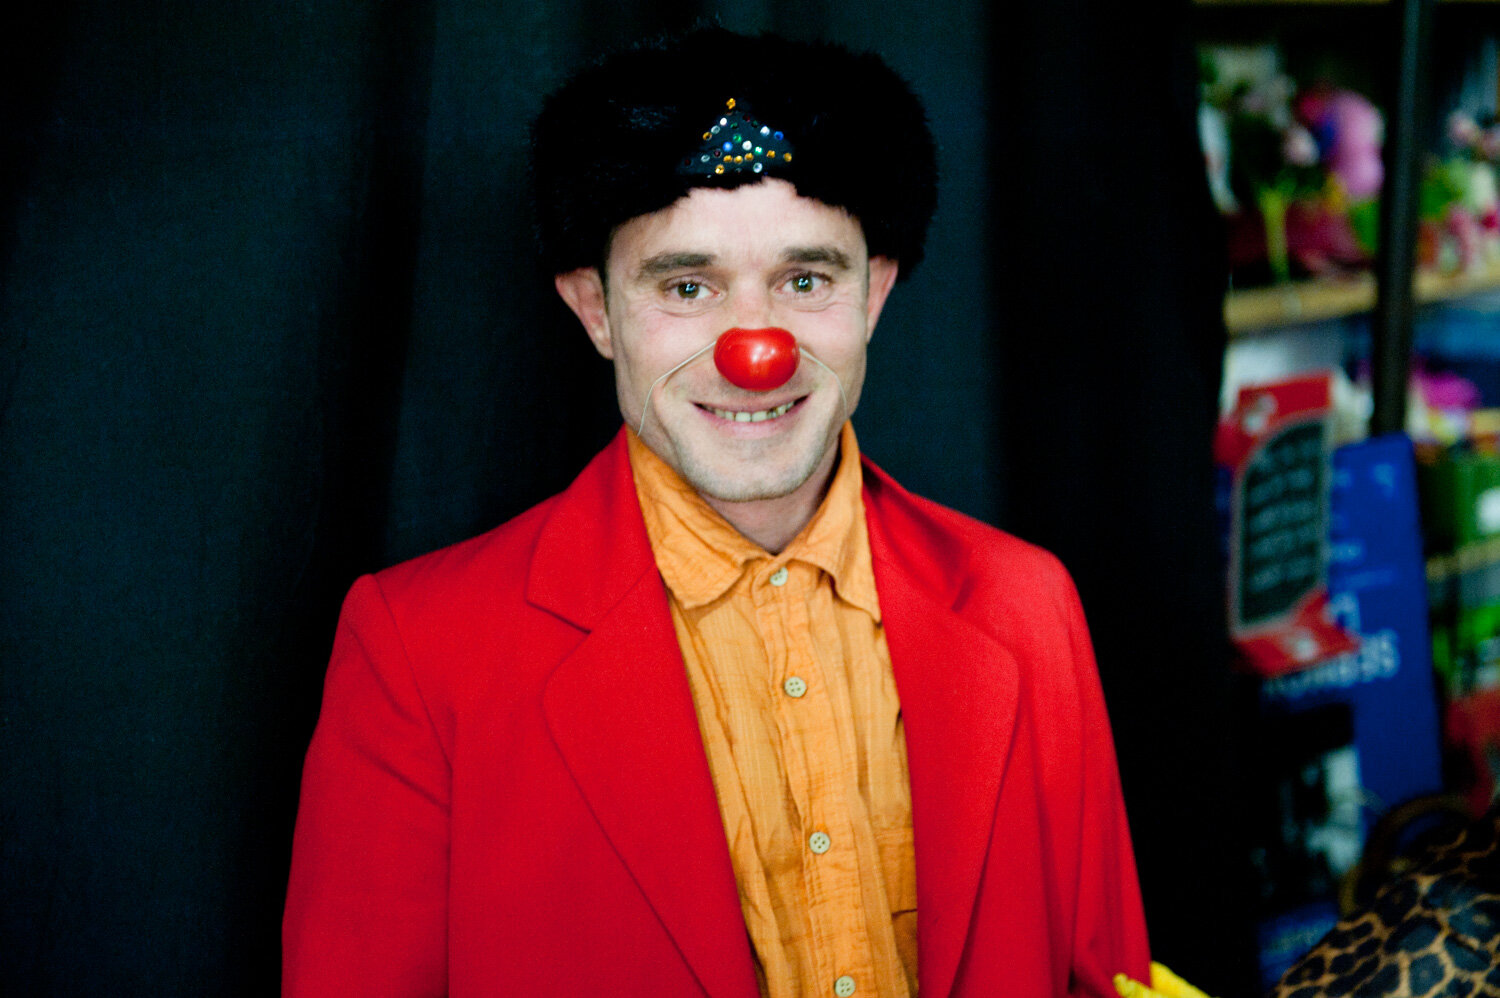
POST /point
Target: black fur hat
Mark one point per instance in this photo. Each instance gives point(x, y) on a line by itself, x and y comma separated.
point(628, 136)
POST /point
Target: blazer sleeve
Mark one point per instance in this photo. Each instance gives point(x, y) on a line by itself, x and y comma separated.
point(366, 909)
point(1109, 935)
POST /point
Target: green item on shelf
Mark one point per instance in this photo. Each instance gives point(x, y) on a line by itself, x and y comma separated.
point(1460, 499)
point(1364, 219)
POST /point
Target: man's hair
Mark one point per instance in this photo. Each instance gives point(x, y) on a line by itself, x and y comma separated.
point(613, 142)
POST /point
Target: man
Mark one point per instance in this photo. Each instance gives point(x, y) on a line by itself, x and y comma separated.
point(734, 714)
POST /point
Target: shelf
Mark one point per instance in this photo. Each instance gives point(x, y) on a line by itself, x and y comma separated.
point(1288, 3)
point(1442, 287)
point(1257, 309)
point(1470, 557)
point(1315, 3)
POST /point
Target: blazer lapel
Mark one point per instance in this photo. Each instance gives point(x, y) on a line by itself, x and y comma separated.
point(959, 690)
point(621, 714)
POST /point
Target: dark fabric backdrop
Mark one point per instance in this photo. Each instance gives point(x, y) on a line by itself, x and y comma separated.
point(270, 318)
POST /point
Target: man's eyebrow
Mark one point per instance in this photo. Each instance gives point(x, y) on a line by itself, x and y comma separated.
point(831, 255)
point(665, 263)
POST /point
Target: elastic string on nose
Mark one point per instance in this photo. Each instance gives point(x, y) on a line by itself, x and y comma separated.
point(652, 390)
point(843, 399)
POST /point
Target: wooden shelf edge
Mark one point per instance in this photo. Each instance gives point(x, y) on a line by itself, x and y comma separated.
point(1287, 3)
point(1256, 309)
point(1468, 558)
point(1315, 3)
point(1443, 287)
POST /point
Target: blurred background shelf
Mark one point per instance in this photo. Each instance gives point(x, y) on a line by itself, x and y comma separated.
point(1468, 558)
point(1258, 309)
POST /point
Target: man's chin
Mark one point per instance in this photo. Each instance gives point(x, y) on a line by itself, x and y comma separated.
point(750, 480)
point(744, 488)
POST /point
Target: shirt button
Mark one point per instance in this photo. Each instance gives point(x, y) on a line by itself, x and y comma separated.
point(819, 842)
point(795, 686)
point(844, 986)
point(778, 577)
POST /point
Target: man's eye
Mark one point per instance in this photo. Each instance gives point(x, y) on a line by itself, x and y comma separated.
point(687, 290)
point(806, 284)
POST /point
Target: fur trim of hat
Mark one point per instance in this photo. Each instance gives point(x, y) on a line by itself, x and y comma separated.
point(618, 140)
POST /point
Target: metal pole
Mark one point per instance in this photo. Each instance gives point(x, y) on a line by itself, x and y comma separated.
point(1395, 263)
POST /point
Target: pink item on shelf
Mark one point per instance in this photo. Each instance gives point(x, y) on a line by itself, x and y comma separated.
point(1445, 390)
point(1349, 130)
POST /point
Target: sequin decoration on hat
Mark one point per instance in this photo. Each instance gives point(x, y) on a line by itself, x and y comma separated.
point(735, 142)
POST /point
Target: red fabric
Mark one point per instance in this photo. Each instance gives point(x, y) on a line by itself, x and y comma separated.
point(507, 795)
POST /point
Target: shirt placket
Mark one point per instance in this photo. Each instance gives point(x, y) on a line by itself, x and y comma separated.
point(818, 758)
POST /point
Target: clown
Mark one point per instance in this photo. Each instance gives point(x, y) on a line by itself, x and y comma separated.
point(735, 714)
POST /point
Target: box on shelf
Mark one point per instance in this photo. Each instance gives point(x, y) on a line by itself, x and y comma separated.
point(1356, 734)
point(1275, 445)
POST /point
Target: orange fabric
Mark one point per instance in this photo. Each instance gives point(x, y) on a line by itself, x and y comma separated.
point(825, 757)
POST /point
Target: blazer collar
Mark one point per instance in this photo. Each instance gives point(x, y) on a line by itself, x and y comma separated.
point(621, 715)
point(593, 548)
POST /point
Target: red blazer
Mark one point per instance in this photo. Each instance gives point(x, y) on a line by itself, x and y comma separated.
point(507, 793)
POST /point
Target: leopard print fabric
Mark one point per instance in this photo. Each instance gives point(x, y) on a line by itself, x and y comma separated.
point(1433, 931)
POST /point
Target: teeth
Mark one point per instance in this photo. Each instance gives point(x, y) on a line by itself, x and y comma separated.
point(751, 417)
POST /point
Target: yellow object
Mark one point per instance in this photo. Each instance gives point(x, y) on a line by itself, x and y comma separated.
point(1164, 984)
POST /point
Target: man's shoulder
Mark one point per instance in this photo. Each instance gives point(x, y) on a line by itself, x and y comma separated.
point(485, 569)
point(586, 516)
point(949, 549)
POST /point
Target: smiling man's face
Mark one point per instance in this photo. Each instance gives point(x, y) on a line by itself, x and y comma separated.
point(752, 257)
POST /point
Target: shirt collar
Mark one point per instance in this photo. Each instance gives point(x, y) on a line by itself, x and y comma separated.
point(701, 556)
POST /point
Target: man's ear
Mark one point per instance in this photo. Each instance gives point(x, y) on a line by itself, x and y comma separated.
point(583, 291)
point(883, 272)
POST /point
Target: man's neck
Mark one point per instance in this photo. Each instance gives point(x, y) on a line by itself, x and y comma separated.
point(775, 523)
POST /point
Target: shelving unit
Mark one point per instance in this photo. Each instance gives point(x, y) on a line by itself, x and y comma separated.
point(1387, 47)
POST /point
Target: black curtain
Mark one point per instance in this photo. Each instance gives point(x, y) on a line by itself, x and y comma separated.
point(1110, 280)
point(269, 317)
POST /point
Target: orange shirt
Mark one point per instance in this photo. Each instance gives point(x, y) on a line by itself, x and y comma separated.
point(797, 705)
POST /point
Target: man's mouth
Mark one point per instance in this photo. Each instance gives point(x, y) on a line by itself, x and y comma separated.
point(747, 416)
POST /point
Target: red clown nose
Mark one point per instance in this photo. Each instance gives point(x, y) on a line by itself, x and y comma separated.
point(757, 360)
